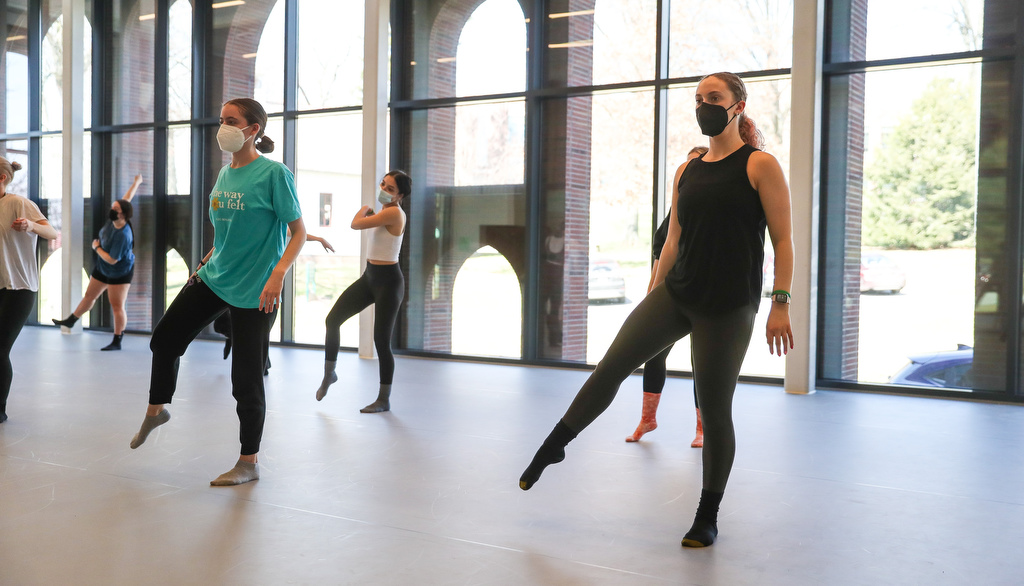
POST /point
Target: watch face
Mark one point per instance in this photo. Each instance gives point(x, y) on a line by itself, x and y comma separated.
point(781, 298)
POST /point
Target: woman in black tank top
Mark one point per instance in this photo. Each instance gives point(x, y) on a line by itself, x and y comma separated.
point(708, 285)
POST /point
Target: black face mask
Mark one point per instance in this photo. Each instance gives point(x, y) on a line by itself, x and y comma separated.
point(713, 119)
point(113, 215)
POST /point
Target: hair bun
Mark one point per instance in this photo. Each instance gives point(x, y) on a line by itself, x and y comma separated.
point(264, 144)
point(16, 165)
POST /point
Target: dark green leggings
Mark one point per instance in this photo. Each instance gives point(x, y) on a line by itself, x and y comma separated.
point(719, 343)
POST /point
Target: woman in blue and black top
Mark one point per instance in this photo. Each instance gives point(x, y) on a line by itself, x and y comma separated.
point(113, 268)
point(708, 285)
point(253, 206)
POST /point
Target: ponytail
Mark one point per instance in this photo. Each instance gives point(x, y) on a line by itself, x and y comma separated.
point(749, 132)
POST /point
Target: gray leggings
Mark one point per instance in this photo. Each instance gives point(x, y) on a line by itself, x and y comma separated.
point(719, 343)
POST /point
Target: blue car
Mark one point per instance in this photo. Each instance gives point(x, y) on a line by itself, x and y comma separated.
point(948, 370)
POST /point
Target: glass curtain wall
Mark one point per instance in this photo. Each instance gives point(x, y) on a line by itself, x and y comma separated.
point(922, 196)
point(532, 133)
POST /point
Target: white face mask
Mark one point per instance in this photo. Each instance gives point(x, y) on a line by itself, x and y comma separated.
point(384, 197)
point(231, 138)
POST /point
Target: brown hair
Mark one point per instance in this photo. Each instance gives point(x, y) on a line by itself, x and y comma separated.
point(254, 114)
point(8, 168)
point(748, 130)
point(699, 150)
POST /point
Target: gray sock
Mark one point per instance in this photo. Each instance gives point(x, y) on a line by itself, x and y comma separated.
point(150, 423)
point(242, 472)
point(330, 377)
point(382, 403)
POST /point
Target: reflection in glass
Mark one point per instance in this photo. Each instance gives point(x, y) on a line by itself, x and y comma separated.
point(493, 40)
point(490, 143)
point(621, 168)
point(51, 72)
point(267, 62)
point(328, 182)
point(50, 203)
point(732, 35)
point(131, 49)
point(607, 41)
point(177, 274)
point(463, 49)
point(330, 68)
point(448, 224)
point(179, 60)
point(179, 160)
point(14, 72)
point(486, 291)
point(179, 215)
point(132, 154)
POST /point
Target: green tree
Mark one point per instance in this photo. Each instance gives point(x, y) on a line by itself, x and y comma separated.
point(921, 185)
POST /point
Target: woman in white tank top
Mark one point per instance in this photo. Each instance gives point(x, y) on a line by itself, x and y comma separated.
point(381, 284)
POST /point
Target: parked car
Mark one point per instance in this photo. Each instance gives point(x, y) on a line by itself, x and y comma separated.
point(950, 369)
point(878, 273)
point(606, 282)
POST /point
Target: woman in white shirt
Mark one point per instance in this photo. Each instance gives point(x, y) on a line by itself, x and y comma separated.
point(381, 284)
point(20, 223)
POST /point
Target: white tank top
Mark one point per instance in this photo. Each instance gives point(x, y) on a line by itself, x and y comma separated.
point(384, 245)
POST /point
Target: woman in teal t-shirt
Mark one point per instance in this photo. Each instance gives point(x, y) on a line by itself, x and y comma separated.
point(253, 205)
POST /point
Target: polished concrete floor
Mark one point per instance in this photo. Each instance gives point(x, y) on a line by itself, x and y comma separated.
point(831, 488)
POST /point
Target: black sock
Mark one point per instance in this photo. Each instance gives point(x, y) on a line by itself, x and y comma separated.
point(552, 451)
point(115, 344)
point(705, 523)
point(67, 322)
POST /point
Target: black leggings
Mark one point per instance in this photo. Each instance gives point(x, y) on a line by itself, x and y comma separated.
point(191, 311)
point(384, 287)
point(719, 344)
point(656, 371)
point(15, 307)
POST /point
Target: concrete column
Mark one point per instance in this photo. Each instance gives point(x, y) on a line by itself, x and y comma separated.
point(804, 181)
point(375, 110)
point(73, 137)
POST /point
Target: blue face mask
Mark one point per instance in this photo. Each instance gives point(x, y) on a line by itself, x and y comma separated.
point(384, 197)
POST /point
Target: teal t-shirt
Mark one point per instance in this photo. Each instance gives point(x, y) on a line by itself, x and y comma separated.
point(250, 208)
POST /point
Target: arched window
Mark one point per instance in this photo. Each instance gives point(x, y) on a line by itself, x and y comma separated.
point(487, 307)
point(490, 137)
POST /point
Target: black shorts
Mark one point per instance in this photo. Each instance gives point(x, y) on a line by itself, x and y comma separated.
point(122, 280)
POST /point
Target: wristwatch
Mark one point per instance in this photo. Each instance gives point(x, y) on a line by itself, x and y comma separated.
point(780, 297)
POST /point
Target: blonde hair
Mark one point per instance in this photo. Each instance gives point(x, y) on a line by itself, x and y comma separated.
point(7, 168)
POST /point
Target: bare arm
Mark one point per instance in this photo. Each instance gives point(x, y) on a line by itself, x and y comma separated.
point(128, 195)
point(270, 298)
point(42, 228)
point(654, 273)
point(103, 254)
point(671, 248)
point(327, 245)
point(365, 218)
point(767, 178)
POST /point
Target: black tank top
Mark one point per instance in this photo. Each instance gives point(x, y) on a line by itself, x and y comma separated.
point(721, 248)
point(660, 236)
